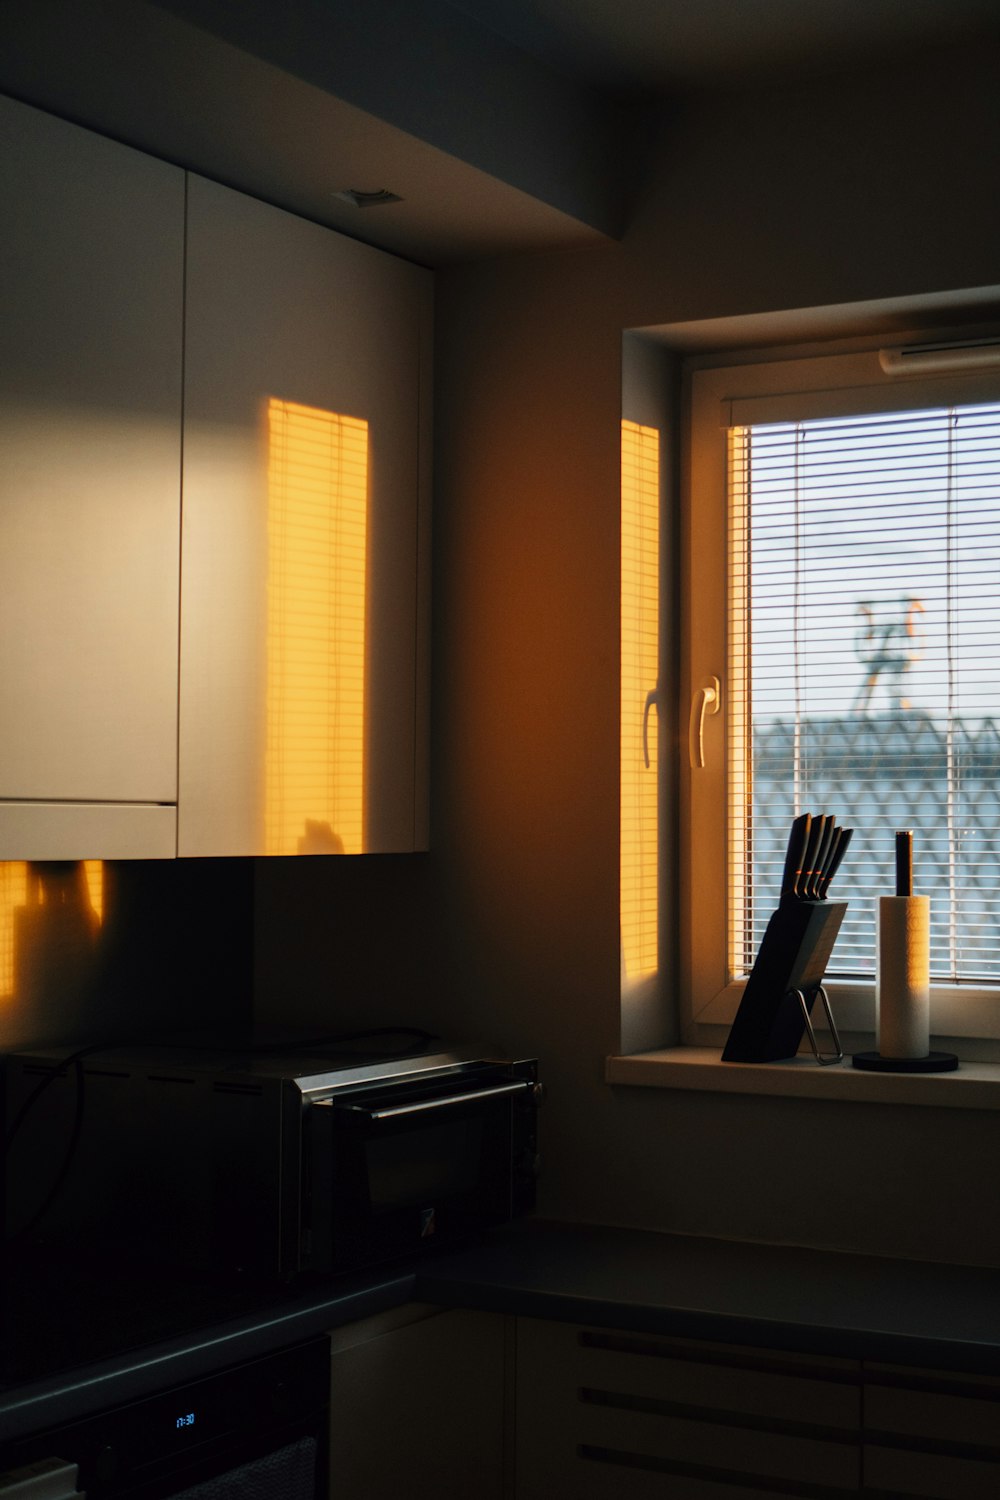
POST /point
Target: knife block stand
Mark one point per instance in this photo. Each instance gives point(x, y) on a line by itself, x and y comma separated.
point(785, 980)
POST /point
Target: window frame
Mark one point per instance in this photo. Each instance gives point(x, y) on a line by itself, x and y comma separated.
point(720, 392)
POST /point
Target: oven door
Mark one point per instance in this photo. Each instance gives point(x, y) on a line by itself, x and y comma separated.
point(258, 1429)
point(418, 1163)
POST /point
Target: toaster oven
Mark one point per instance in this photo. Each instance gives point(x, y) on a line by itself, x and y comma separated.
point(269, 1162)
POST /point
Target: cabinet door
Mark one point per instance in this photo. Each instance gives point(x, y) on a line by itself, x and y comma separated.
point(416, 1406)
point(91, 285)
point(303, 545)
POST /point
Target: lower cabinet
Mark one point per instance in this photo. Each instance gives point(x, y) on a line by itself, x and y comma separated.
point(601, 1414)
point(426, 1402)
point(931, 1433)
point(417, 1406)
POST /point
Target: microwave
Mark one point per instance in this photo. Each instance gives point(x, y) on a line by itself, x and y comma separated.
point(268, 1162)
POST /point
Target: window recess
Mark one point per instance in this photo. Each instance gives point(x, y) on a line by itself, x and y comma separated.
point(843, 580)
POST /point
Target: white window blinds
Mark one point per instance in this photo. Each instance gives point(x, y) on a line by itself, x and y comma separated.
point(864, 644)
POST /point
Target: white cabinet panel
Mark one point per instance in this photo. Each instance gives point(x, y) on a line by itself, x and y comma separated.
point(91, 279)
point(303, 537)
point(87, 830)
point(416, 1411)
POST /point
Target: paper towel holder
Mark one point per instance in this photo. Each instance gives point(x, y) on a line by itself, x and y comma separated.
point(934, 1062)
point(930, 1062)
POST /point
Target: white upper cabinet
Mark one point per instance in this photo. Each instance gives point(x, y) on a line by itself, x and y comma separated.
point(91, 286)
point(289, 560)
point(303, 642)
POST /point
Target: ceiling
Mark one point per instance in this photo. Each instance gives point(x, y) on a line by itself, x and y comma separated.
point(502, 125)
point(642, 47)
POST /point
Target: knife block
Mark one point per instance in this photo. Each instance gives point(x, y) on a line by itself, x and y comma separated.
point(786, 978)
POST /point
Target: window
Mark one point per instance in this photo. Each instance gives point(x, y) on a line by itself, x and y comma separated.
point(842, 536)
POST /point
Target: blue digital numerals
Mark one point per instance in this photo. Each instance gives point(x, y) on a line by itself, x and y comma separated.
point(186, 1421)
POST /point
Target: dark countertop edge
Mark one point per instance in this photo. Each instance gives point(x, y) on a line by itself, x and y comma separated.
point(74, 1394)
point(571, 1273)
point(725, 1328)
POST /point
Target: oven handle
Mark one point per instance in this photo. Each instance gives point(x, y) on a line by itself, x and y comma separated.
point(421, 1106)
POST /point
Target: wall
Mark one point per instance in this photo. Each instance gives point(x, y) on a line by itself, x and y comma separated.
point(168, 946)
point(849, 191)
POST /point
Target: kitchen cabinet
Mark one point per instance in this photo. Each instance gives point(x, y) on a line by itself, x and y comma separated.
point(416, 1405)
point(303, 621)
point(607, 1415)
point(294, 717)
point(931, 1433)
point(602, 1415)
point(91, 289)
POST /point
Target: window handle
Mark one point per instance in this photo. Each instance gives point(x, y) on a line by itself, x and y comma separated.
point(652, 701)
point(705, 700)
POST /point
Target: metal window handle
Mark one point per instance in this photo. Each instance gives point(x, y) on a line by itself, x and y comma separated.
point(704, 700)
point(652, 701)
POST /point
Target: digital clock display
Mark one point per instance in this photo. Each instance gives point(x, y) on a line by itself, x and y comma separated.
point(187, 1420)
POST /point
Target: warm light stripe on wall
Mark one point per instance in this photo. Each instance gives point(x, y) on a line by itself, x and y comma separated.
point(640, 613)
point(317, 564)
point(93, 874)
point(13, 895)
point(21, 887)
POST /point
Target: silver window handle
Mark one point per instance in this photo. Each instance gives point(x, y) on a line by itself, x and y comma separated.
point(652, 701)
point(704, 700)
point(420, 1106)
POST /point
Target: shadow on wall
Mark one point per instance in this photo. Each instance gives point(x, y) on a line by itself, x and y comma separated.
point(92, 950)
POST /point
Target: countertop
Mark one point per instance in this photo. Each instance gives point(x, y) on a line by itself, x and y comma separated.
point(111, 1350)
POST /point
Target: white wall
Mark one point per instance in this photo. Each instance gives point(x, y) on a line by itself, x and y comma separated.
point(869, 189)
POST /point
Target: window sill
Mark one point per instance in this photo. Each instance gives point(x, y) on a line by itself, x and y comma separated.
point(975, 1085)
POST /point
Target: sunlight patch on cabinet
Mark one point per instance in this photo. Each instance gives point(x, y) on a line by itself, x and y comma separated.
point(640, 613)
point(24, 894)
point(316, 631)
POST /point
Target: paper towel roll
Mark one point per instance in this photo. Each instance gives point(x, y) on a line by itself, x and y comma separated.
point(903, 1000)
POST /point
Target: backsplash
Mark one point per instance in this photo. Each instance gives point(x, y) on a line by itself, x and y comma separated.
point(123, 949)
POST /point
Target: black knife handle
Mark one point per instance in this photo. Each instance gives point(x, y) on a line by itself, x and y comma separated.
point(822, 855)
point(798, 839)
point(836, 856)
point(804, 890)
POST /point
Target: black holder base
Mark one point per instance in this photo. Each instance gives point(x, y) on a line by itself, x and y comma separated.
point(934, 1062)
point(786, 978)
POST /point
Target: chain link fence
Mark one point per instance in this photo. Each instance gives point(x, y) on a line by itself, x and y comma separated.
point(878, 774)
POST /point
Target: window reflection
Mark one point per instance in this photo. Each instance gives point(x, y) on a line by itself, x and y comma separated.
point(640, 612)
point(316, 627)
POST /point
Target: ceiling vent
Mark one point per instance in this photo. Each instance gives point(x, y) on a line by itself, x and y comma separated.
point(925, 359)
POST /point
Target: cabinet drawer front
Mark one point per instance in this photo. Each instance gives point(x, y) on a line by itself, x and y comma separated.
point(742, 1390)
point(930, 1474)
point(743, 1451)
point(933, 1414)
point(719, 1377)
point(583, 1479)
point(87, 830)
